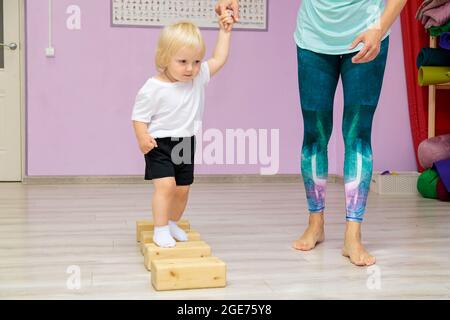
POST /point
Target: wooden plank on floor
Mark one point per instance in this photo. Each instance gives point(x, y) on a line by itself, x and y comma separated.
point(188, 273)
point(147, 237)
point(148, 225)
point(190, 249)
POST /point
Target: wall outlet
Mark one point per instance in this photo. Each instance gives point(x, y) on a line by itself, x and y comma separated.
point(50, 52)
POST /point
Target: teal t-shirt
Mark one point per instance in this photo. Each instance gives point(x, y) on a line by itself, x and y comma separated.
point(330, 26)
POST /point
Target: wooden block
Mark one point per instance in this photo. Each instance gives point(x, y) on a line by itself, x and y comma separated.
point(147, 225)
point(147, 237)
point(190, 249)
point(188, 273)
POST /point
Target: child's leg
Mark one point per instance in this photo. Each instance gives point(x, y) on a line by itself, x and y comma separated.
point(179, 204)
point(184, 177)
point(178, 207)
point(163, 198)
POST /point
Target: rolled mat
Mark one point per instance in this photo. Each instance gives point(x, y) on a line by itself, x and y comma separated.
point(427, 182)
point(433, 57)
point(444, 41)
point(437, 31)
point(433, 75)
point(443, 169)
point(442, 192)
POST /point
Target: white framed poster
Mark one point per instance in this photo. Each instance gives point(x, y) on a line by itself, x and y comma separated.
point(157, 13)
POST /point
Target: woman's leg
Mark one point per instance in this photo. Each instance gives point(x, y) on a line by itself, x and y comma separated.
point(362, 86)
point(318, 75)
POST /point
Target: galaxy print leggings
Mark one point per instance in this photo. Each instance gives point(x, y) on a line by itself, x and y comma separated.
point(318, 75)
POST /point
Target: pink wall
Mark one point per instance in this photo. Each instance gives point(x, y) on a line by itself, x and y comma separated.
point(79, 102)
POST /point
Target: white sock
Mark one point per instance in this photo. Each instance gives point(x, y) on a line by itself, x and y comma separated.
point(162, 237)
point(177, 232)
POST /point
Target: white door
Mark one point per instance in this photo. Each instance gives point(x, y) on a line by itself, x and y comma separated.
point(10, 92)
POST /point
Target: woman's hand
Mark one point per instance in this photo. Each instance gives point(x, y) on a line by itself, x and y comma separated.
point(223, 5)
point(226, 21)
point(372, 44)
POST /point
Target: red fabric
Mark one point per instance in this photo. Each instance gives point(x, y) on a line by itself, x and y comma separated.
point(442, 112)
point(442, 192)
point(414, 39)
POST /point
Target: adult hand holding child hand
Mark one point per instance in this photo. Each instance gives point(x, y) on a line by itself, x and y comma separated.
point(226, 21)
point(223, 6)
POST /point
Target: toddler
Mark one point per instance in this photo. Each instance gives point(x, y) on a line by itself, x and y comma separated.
point(167, 115)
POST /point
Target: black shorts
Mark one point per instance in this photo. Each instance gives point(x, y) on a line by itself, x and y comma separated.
point(174, 157)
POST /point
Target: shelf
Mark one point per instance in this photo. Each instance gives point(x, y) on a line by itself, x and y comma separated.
point(432, 97)
point(443, 86)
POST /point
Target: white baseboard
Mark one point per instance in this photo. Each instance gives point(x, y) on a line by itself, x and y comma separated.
point(229, 178)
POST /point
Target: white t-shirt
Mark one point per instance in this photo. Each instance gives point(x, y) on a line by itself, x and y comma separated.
point(173, 109)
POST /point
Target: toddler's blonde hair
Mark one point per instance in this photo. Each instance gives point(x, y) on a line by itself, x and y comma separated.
point(174, 37)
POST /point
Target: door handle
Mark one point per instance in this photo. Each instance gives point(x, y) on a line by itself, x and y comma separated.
point(11, 46)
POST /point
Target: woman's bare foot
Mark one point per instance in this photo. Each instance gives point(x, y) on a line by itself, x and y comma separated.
point(313, 235)
point(353, 247)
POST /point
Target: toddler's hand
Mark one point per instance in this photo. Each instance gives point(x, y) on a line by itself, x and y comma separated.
point(147, 143)
point(226, 21)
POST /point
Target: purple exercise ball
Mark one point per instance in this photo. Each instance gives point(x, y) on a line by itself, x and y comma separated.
point(434, 149)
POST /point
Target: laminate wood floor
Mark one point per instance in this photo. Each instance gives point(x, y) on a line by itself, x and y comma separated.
point(45, 229)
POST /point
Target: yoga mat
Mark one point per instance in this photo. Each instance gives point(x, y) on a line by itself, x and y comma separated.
point(444, 41)
point(437, 31)
point(433, 75)
point(433, 57)
point(443, 169)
